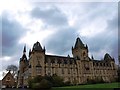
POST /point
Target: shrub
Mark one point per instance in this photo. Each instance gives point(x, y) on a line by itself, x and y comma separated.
point(37, 79)
point(57, 81)
point(45, 84)
point(67, 83)
point(35, 85)
point(30, 82)
point(95, 81)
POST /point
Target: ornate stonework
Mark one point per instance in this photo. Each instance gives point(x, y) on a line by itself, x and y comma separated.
point(77, 69)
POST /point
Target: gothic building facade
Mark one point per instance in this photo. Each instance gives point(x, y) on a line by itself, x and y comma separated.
point(77, 69)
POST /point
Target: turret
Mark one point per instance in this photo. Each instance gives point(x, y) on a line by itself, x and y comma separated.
point(23, 64)
point(37, 47)
point(37, 55)
point(29, 52)
point(80, 50)
point(24, 54)
point(107, 57)
point(86, 47)
point(92, 57)
point(24, 50)
point(79, 43)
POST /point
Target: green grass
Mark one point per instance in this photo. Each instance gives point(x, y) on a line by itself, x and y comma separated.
point(105, 86)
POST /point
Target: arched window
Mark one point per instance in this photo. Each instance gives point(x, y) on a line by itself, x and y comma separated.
point(62, 70)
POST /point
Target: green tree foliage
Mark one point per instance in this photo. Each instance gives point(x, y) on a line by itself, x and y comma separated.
point(46, 82)
point(96, 80)
point(57, 81)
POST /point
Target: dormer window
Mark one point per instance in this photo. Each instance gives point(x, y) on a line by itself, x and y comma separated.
point(84, 54)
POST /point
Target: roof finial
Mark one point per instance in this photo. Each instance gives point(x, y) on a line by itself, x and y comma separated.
point(24, 50)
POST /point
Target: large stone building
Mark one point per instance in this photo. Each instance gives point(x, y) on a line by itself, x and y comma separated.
point(77, 69)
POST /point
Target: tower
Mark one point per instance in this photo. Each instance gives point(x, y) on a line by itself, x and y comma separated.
point(80, 51)
point(23, 64)
point(37, 59)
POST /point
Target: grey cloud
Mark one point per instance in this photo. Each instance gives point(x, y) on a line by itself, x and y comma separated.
point(52, 16)
point(107, 40)
point(62, 41)
point(119, 28)
point(113, 27)
point(11, 33)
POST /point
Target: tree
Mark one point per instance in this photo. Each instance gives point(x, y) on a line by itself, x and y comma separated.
point(46, 82)
point(12, 68)
point(57, 81)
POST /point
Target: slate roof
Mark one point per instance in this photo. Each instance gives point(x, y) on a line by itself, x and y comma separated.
point(37, 46)
point(79, 43)
point(60, 59)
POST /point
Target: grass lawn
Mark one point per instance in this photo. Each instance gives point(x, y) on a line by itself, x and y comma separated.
point(105, 86)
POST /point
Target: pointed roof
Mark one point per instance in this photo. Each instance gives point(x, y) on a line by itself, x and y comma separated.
point(29, 52)
point(24, 50)
point(107, 57)
point(37, 46)
point(24, 57)
point(8, 74)
point(92, 57)
point(78, 43)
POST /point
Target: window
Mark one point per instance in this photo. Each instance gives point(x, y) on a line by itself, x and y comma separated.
point(97, 64)
point(49, 62)
point(113, 65)
point(56, 70)
point(68, 70)
point(8, 79)
point(84, 54)
point(38, 70)
point(62, 71)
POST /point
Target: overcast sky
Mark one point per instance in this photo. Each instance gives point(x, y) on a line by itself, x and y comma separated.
point(56, 26)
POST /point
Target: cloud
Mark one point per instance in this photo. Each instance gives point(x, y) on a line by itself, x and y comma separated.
point(12, 31)
point(61, 42)
point(113, 29)
point(57, 26)
point(50, 16)
point(106, 40)
point(98, 29)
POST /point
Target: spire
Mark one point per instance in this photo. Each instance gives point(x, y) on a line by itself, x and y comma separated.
point(44, 48)
point(24, 54)
point(29, 52)
point(24, 50)
point(87, 47)
point(78, 43)
point(72, 47)
point(68, 56)
point(92, 57)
